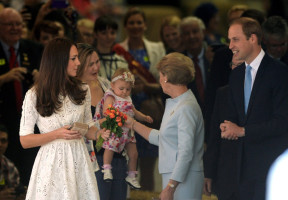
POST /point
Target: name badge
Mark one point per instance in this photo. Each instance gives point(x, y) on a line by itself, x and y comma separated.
point(2, 61)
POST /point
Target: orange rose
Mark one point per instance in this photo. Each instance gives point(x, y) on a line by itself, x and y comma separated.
point(120, 124)
point(111, 115)
point(125, 117)
point(118, 119)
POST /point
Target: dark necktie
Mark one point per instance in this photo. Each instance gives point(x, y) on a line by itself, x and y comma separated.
point(17, 85)
point(247, 86)
point(199, 79)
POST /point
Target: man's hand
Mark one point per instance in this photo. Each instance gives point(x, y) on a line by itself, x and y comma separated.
point(231, 131)
point(15, 74)
point(7, 194)
point(207, 188)
point(35, 74)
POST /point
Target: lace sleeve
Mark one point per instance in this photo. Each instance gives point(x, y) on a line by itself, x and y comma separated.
point(29, 113)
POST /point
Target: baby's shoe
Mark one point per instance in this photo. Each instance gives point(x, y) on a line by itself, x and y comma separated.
point(107, 176)
point(133, 182)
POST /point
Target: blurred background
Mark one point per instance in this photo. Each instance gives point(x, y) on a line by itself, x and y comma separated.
point(157, 9)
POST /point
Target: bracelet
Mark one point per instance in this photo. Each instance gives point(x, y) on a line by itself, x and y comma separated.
point(171, 185)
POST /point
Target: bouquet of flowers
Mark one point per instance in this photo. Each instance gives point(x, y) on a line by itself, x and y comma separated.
point(114, 121)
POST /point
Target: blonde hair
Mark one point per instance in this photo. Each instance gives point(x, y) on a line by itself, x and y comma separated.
point(238, 7)
point(88, 23)
point(178, 68)
point(123, 74)
point(173, 21)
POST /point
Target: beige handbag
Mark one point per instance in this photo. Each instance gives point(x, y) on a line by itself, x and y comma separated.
point(80, 127)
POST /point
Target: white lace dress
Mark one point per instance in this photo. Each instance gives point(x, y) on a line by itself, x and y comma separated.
point(62, 169)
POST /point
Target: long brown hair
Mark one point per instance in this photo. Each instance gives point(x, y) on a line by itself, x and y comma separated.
point(53, 81)
point(84, 52)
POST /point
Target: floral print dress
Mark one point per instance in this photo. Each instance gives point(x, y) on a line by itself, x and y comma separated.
point(126, 106)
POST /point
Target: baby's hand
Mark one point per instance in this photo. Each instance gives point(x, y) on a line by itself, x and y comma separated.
point(148, 119)
point(105, 134)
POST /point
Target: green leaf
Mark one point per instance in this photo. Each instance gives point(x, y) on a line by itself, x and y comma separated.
point(99, 143)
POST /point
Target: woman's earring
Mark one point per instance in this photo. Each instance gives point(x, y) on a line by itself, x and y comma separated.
point(165, 81)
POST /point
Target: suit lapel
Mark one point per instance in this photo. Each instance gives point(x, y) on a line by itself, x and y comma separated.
point(240, 90)
point(257, 84)
point(4, 62)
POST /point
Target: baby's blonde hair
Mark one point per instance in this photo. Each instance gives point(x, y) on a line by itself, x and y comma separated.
point(123, 74)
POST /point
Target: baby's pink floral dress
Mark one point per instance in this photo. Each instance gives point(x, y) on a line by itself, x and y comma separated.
point(124, 105)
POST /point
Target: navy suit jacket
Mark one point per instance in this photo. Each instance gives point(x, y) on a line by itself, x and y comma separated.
point(221, 155)
point(192, 85)
point(266, 121)
point(219, 77)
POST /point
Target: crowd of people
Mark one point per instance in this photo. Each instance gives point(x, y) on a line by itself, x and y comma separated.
point(213, 110)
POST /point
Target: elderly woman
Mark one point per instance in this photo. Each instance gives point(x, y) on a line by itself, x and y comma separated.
point(181, 135)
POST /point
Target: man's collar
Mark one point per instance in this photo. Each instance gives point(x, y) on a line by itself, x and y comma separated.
point(6, 46)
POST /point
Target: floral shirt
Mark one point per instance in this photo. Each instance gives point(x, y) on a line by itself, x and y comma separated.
point(9, 175)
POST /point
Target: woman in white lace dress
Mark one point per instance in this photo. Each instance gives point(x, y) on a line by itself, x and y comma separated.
point(62, 169)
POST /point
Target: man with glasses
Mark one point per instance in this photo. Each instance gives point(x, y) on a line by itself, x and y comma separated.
point(275, 35)
point(19, 61)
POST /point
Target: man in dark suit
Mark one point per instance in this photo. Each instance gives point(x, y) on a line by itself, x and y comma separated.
point(221, 155)
point(219, 77)
point(192, 32)
point(19, 61)
point(258, 108)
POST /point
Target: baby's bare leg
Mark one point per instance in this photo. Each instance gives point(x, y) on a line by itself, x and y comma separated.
point(107, 157)
point(133, 156)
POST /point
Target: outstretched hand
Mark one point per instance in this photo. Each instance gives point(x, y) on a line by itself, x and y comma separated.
point(148, 119)
point(129, 122)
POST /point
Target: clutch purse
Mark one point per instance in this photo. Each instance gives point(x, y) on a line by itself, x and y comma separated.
point(80, 127)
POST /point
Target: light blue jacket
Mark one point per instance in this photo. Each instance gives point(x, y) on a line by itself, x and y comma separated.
point(180, 138)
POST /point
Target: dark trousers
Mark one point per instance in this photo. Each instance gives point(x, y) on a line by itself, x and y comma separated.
point(252, 190)
point(117, 188)
point(233, 196)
